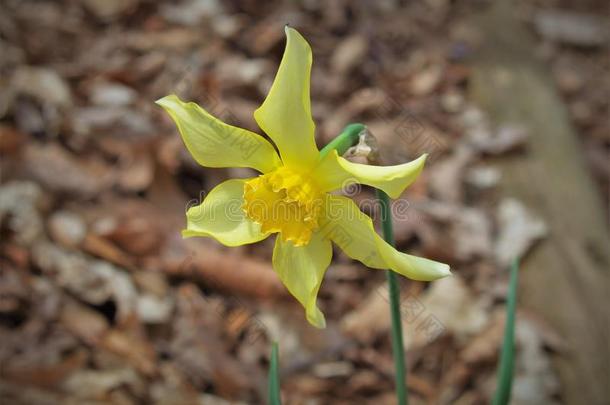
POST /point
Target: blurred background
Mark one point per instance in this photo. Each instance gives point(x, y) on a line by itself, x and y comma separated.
point(102, 301)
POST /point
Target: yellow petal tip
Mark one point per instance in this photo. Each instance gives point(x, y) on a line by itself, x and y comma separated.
point(317, 319)
point(186, 233)
point(163, 99)
point(445, 271)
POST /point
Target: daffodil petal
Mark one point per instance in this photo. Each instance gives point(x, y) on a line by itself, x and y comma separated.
point(334, 172)
point(221, 216)
point(213, 143)
point(302, 269)
point(285, 115)
point(353, 232)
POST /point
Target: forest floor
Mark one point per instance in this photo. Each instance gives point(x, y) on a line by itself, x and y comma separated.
point(102, 301)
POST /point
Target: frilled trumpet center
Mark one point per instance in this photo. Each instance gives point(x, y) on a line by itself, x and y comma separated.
point(284, 201)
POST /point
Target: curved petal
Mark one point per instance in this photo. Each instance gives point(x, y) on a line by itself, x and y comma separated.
point(334, 172)
point(213, 143)
point(353, 231)
point(302, 269)
point(221, 217)
point(285, 115)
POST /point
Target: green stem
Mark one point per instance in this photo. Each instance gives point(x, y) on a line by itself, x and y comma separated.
point(507, 356)
point(345, 140)
point(274, 377)
point(394, 292)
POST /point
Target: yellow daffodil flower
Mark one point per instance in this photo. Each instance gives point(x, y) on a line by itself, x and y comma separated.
point(291, 195)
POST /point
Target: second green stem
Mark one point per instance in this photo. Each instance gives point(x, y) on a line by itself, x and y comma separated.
point(394, 294)
point(347, 138)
